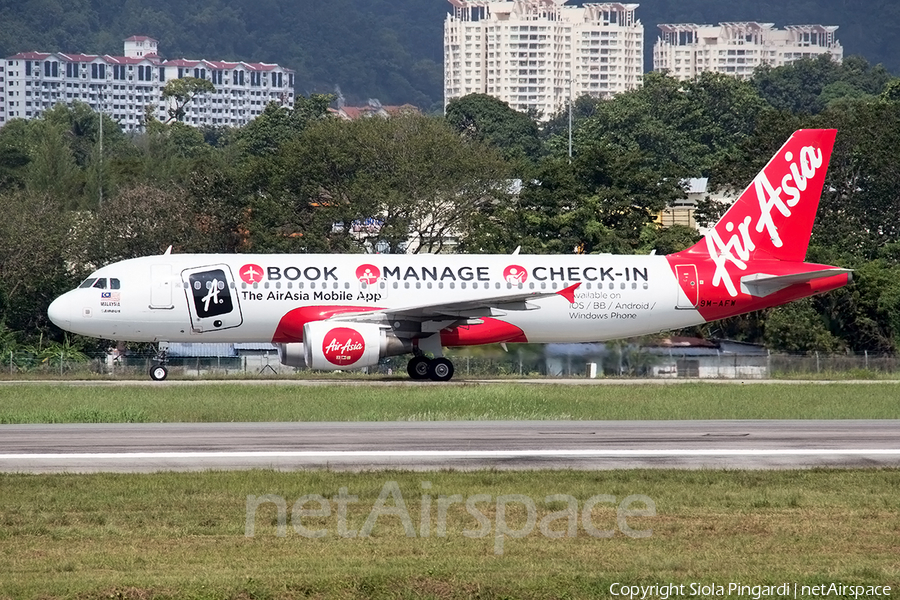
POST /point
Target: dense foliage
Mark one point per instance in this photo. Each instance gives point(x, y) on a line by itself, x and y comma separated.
point(482, 179)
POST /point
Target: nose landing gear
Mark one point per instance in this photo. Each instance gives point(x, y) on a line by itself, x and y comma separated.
point(436, 369)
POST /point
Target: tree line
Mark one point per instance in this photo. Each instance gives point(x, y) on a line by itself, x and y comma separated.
point(483, 178)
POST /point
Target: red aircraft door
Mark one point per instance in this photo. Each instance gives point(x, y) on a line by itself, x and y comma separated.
point(687, 281)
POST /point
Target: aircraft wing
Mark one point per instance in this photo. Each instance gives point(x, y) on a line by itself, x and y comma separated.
point(468, 309)
point(762, 285)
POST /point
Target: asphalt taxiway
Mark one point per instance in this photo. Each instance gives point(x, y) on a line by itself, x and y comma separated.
point(457, 445)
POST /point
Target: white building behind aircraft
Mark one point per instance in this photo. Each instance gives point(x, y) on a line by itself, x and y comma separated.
point(685, 50)
point(537, 54)
point(125, 87)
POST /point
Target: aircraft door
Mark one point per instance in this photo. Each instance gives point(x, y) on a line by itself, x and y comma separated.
point(161, 287)
point(212, 298)
point(688, 288)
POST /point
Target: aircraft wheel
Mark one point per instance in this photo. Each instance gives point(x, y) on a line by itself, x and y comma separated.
point(440, 369)
point(418, 367)
point(158, 373)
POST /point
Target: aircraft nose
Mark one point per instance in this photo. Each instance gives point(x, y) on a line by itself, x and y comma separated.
point(60, 312)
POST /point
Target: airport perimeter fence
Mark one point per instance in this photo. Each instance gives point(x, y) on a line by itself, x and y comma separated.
point(515, 364)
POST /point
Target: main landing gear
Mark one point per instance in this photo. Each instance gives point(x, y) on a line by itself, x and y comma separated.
point(436, 369)
point(158, 372)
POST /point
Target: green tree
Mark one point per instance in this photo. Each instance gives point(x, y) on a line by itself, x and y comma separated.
point(484, 118)
point(182, 92)
point(141, 221)
point(797, 327)
point(808, 85)
point(276, 125)
point(52, 169)
point(412, 174)
point(861, 200)
point(38, 259)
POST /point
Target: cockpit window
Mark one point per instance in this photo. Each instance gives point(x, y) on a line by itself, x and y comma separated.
point(88, 282)
point(100, 283)
point(114, 283)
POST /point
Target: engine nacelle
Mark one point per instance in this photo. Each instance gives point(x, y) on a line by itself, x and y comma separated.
point(292, 354)
point(332, 345)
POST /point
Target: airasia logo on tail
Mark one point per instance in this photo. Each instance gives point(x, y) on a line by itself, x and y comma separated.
point(784, 195)
point(343, 346)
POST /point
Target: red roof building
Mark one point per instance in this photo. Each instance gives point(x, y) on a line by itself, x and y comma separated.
point(128, 87)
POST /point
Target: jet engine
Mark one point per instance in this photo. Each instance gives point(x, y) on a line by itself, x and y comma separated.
point(333, 345)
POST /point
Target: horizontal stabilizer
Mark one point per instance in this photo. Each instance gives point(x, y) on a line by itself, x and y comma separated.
point(761, 284)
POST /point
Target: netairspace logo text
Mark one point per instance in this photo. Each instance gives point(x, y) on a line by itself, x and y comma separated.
point(754, 592)
point(567, 522)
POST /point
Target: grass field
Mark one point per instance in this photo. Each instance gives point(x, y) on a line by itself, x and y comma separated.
point(36, 403)
point(182, 535)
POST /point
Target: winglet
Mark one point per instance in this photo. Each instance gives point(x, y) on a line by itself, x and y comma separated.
point(569, 293)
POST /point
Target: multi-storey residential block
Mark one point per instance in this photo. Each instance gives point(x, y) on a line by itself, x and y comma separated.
point(686, 50)
point(127, 87)
point(538, 54)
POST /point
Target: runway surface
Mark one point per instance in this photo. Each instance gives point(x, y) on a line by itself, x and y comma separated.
point(458, 445)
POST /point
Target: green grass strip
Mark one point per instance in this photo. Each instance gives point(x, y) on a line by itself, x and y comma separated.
point(86, 403)
point(182, 535)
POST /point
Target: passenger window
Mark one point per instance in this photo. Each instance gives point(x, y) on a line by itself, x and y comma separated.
point(88, 282)
point(100, 283)
point(114, 284)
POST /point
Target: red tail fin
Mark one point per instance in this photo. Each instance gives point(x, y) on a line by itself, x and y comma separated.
point(774, 216)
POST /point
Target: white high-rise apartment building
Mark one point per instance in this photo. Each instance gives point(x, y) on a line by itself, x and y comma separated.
point(125, 87)
point(537, 54)
point(686, 50)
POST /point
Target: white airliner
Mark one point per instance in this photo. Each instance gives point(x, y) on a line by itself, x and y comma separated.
point(347, 311)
